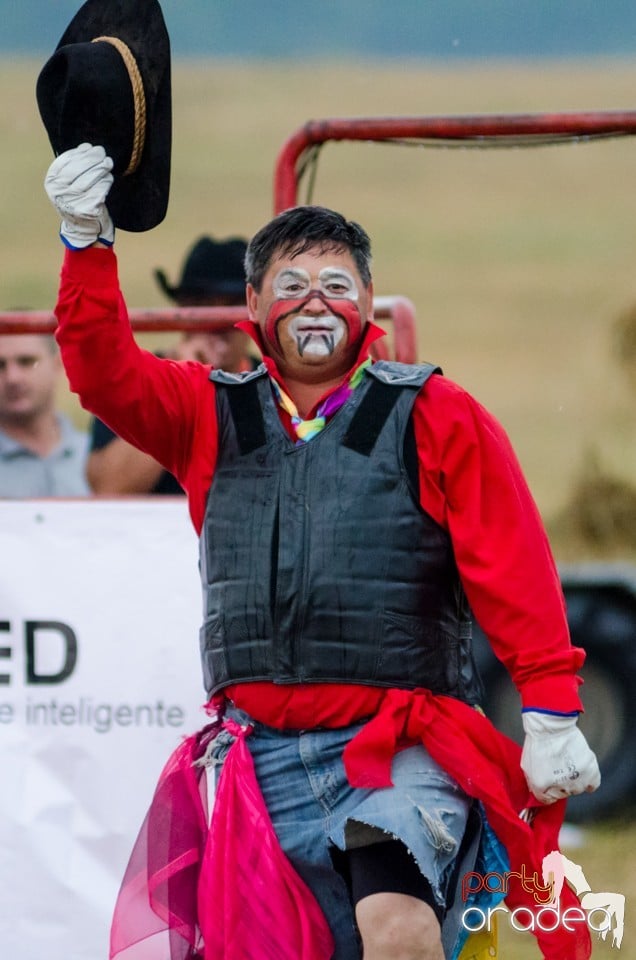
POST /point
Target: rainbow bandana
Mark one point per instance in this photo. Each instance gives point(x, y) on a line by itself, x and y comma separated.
point(306, 430)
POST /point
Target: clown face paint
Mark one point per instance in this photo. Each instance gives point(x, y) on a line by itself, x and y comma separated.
point(311, 309)
point(316, 330)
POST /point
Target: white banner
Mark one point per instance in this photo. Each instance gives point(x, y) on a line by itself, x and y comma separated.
point(99, 680)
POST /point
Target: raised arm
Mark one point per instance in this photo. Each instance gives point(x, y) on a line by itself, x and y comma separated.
point(150, 402)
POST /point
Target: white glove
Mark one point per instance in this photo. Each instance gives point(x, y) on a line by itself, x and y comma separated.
point(77, 184)
point(556, 758)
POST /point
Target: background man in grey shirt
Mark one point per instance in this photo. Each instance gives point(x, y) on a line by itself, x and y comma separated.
point(41, 452)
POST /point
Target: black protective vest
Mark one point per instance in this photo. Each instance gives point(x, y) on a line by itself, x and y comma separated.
point(317, 562)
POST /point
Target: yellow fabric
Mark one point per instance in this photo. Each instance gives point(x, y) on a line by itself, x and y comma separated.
point(482, 945)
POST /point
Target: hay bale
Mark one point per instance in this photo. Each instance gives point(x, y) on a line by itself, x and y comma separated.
point(624, 343)
point(599, 518)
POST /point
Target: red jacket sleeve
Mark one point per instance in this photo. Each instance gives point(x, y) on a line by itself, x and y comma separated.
point(164, 407)
point(471, 483)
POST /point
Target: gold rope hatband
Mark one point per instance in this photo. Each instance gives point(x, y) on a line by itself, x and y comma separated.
point(139, 99)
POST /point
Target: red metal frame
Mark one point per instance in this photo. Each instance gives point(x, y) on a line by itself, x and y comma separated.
point(399, 310)
point(608, 123)
point(160, 320)
point(480, 130)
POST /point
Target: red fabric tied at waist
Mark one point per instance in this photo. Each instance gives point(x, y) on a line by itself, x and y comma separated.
point(190, 893)
point(193, 893)
point(155, 914)
point(252, 903)
point(486, 764)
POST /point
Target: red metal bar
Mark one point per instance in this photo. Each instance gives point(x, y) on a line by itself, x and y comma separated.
point(397, 309)
point(162, 319)
point(402, 312)
point(314, 132)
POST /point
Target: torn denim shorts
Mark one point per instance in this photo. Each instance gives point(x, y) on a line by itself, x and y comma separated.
point(314, 810)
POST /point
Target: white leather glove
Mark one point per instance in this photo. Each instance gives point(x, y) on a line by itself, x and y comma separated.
point(556, 758)
point(77, 184)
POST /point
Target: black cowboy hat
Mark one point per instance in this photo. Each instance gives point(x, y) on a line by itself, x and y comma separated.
point(212, 268)
point(108, 83)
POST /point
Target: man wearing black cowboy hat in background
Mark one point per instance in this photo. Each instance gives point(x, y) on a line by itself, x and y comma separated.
point(213, 275)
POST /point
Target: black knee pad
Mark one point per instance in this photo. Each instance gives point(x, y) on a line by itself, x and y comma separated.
point(386, 867)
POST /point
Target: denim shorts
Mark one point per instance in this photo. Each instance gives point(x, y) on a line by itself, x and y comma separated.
point(315, 812)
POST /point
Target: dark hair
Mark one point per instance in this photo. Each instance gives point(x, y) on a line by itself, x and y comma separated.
point(305, 228)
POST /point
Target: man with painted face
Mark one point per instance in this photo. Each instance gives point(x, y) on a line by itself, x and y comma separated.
point(347, 511)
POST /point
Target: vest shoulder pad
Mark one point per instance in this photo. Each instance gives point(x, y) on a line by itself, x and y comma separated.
point(397, 374)
point(236, 379)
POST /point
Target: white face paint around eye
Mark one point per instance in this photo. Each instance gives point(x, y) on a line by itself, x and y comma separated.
point(291, 283)
point(294, 283)
point(338, 284)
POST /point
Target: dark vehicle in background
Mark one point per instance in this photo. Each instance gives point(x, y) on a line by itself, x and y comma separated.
point(601, 608)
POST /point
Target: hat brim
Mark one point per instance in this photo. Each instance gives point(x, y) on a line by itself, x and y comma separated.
point(230, 288)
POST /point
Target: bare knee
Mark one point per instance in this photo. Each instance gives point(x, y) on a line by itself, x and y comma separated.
point(395, 926)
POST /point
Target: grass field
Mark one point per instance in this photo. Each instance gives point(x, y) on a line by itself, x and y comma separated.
point(519, 261)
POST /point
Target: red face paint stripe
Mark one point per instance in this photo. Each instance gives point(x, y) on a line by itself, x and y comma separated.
point(345, 309)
